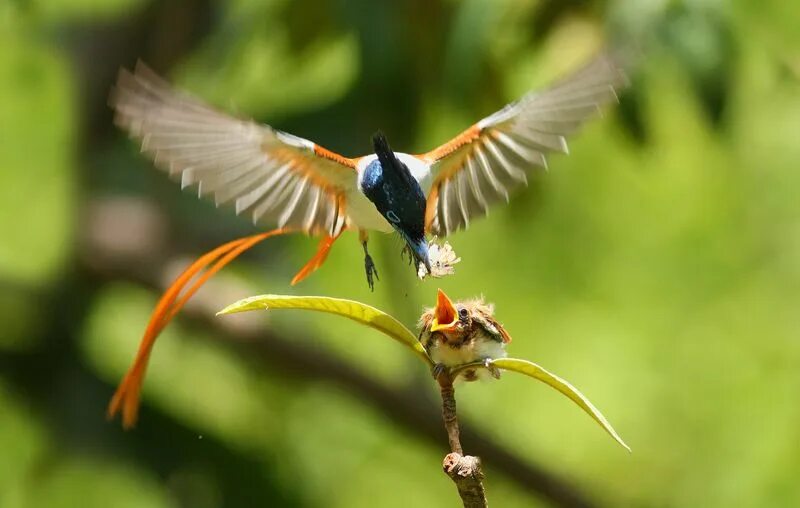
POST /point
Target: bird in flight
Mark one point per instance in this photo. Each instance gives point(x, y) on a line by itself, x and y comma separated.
point(459, 333)
point(282, 180)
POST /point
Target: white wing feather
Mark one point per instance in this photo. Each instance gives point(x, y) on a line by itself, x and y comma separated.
point(488, 161)
point(279, 178)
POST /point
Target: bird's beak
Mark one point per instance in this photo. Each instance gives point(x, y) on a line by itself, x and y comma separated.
point(420, 250)
point(445, 316)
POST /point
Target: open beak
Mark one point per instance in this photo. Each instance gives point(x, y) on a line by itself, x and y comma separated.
point(445, 316)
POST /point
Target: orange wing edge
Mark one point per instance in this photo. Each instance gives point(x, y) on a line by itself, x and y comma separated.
point(323, 152)
point(464, 138)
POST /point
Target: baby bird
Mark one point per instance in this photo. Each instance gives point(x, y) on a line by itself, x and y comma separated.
point(455, 334)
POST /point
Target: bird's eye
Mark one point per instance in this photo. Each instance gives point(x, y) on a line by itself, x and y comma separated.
point(462, 313)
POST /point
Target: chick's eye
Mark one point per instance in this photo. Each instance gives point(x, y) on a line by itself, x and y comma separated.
point(462, 313)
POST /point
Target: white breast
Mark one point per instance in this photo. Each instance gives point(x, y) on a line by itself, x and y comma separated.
point(476, 351)
point(362, 214)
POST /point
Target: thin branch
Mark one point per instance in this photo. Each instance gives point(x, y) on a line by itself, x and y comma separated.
point(449, 414)
point(465, 471)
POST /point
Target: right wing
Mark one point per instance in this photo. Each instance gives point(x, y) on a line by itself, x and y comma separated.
point(278, 178)
point(483, 164)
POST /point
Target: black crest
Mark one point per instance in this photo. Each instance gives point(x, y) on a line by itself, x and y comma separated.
point(393, 169)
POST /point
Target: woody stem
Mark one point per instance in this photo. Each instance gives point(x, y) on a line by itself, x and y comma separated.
point(464, 470)
point(449, 414)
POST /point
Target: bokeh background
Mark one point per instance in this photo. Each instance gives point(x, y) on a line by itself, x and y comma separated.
point(657, 267)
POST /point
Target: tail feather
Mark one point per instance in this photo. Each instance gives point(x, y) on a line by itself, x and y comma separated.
point(126, 398)
point(315, 262)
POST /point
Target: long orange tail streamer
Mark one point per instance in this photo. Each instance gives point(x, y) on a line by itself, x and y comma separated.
point(322, 254)
point(126, 397)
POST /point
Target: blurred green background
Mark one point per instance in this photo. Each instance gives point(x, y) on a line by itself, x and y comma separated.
point(657, 267)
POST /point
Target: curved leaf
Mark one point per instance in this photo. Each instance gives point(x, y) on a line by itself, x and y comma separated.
point(358, 312)
point(563, 386)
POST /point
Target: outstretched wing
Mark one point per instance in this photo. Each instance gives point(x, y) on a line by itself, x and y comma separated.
point(486, 162)
point(276, 177)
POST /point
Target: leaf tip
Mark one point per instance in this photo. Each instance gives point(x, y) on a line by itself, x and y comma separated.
point(230, 309)
point(622, 443)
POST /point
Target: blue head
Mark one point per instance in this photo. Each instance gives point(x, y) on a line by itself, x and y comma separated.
point(396, 194)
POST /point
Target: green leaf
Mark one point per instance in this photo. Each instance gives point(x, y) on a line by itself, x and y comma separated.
point(563, 386)
point(358, 312)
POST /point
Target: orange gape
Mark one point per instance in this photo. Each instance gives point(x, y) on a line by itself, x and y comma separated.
point(126, 398)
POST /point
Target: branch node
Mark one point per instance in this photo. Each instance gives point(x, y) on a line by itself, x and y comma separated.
point(466, 473)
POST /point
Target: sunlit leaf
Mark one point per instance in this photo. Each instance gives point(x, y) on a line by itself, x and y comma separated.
point(563, 386)
point(358, 312)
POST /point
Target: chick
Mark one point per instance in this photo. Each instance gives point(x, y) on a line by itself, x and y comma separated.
point(455, 334)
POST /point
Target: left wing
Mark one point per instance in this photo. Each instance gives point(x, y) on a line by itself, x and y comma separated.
point(486, 162)
point(280, 179)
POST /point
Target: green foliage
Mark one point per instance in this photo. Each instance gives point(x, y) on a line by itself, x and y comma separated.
point(374, 318)
point(535, 371)
point(656, 266)
point(350, 309)
point(95, 484)
point(36, 158)
point(77, 10)
point(262, 52)
point(24, 442)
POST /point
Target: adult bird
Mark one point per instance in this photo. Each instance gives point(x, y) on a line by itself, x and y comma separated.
point(459, 333)
point(284, 180)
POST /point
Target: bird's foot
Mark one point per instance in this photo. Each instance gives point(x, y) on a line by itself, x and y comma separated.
point(407, 252)
point(494, 371)
point(438, 370)
point(369, 266)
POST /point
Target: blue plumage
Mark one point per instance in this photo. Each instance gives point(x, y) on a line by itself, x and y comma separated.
point(394, 191)
point(373, 177)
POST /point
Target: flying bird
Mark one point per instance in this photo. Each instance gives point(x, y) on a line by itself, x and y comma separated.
point(459, 333)
point(297, 185)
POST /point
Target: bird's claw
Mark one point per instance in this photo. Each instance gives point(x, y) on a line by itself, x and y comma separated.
point(494, 371)
point(369, 266)
point(438, 370)
point(407, 252)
